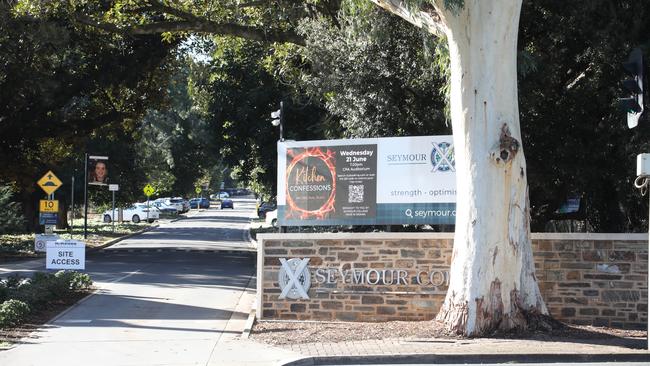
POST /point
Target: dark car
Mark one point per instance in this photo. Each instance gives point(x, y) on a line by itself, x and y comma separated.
point(264, 208)
point(227, 204)
point(200, 202)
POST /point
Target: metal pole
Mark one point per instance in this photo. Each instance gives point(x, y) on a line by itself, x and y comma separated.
point(86, 197)
point(72, 204)
point(113, 214)
point(648, 283)
point(281, 119)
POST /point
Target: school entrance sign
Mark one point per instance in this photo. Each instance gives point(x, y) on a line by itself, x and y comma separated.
point(376, 181)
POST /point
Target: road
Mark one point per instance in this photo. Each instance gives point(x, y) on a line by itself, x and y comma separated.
point(202, 230)
point(167, 297)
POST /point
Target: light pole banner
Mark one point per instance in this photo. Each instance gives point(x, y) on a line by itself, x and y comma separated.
point(376, 181)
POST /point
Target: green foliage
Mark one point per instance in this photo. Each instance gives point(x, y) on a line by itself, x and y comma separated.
point(45, 288)
point(67, 89)
point(374, 92)
point(19, 296)
point(576, 139)
point(12, 312)
point(240, 94)
point(75, 281)
point(11, 216)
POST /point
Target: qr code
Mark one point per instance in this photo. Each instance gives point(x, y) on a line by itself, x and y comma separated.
point(355, 194)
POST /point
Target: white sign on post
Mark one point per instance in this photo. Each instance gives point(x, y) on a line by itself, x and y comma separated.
point(113, 187)
point(65, 254)
point(40, 242)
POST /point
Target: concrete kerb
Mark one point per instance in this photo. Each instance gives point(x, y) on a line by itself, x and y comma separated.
point(248, 327)
point(469, 359)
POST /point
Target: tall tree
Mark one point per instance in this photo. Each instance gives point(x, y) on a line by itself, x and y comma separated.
point(63, 86)
point(492, 278)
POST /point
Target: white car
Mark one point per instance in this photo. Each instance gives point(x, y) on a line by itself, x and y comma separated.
point(224, 195)
point(177, 203)
point(135, 213)
point(272, 218)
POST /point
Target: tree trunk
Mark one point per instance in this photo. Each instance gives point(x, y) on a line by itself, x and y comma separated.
point(492, 279)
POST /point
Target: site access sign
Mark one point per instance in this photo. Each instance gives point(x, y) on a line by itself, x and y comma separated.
point(49, 182)
point(65, 254)
point(378, 181)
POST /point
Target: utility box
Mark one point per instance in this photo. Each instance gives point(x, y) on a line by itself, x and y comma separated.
point(643, 165)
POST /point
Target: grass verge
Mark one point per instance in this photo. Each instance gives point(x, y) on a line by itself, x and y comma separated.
point(17, 246)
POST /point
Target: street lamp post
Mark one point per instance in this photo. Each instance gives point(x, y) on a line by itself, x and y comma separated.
point(278, 120)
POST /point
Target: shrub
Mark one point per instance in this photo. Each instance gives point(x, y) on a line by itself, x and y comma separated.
point(4, 292)
point(11, 215)
point(12, 312)
point(80, 281)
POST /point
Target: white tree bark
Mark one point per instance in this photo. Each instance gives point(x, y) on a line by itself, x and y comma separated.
point(492, 278)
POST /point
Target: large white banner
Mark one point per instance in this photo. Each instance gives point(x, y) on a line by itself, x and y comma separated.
point(376, 181)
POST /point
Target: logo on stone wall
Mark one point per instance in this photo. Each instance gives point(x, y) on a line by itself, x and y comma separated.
point(294, 278)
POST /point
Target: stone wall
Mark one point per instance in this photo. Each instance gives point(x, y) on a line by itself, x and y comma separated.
point(598, 279)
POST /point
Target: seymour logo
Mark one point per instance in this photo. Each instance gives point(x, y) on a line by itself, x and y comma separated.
point(406, 158)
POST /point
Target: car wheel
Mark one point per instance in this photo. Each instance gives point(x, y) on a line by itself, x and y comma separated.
point(151, 221)
point(107, 219)
point(135, 219)
point(274, 222)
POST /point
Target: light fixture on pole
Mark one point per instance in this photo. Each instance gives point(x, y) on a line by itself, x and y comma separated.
point(278, 119)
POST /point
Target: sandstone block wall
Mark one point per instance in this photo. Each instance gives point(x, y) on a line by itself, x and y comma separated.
point(597, 279)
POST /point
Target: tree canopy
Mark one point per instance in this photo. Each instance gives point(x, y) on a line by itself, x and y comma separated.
point(118, 76)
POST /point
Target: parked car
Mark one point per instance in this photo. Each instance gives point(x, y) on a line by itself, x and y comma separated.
point(186, 204)
point(177, 203)
point(200, 203)
point(227, 203)
point(164, 208)
point(135, 213)
point(272, 218)
point(265, 207)
point(223, 195)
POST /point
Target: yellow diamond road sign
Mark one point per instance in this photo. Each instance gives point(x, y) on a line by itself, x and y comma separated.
point(148, 190)
point(49, 183)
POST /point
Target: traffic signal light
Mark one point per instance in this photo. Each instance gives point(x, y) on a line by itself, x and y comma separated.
point(633, 103)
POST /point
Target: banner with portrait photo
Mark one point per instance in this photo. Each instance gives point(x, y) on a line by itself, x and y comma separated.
point(98, 170)
point(378, 181)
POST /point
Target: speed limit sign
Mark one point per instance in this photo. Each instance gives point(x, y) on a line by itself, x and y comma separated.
point(49, 206)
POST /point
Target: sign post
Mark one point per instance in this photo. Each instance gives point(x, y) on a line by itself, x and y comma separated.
point(198, 203)
point(113, 188)
point(72, 205)
point(49, 209)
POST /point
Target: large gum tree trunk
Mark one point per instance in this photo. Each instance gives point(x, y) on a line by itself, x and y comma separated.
point(492, 277)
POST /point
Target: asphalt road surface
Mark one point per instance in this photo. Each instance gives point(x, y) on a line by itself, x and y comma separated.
point(202, 230)
point(167, 306)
